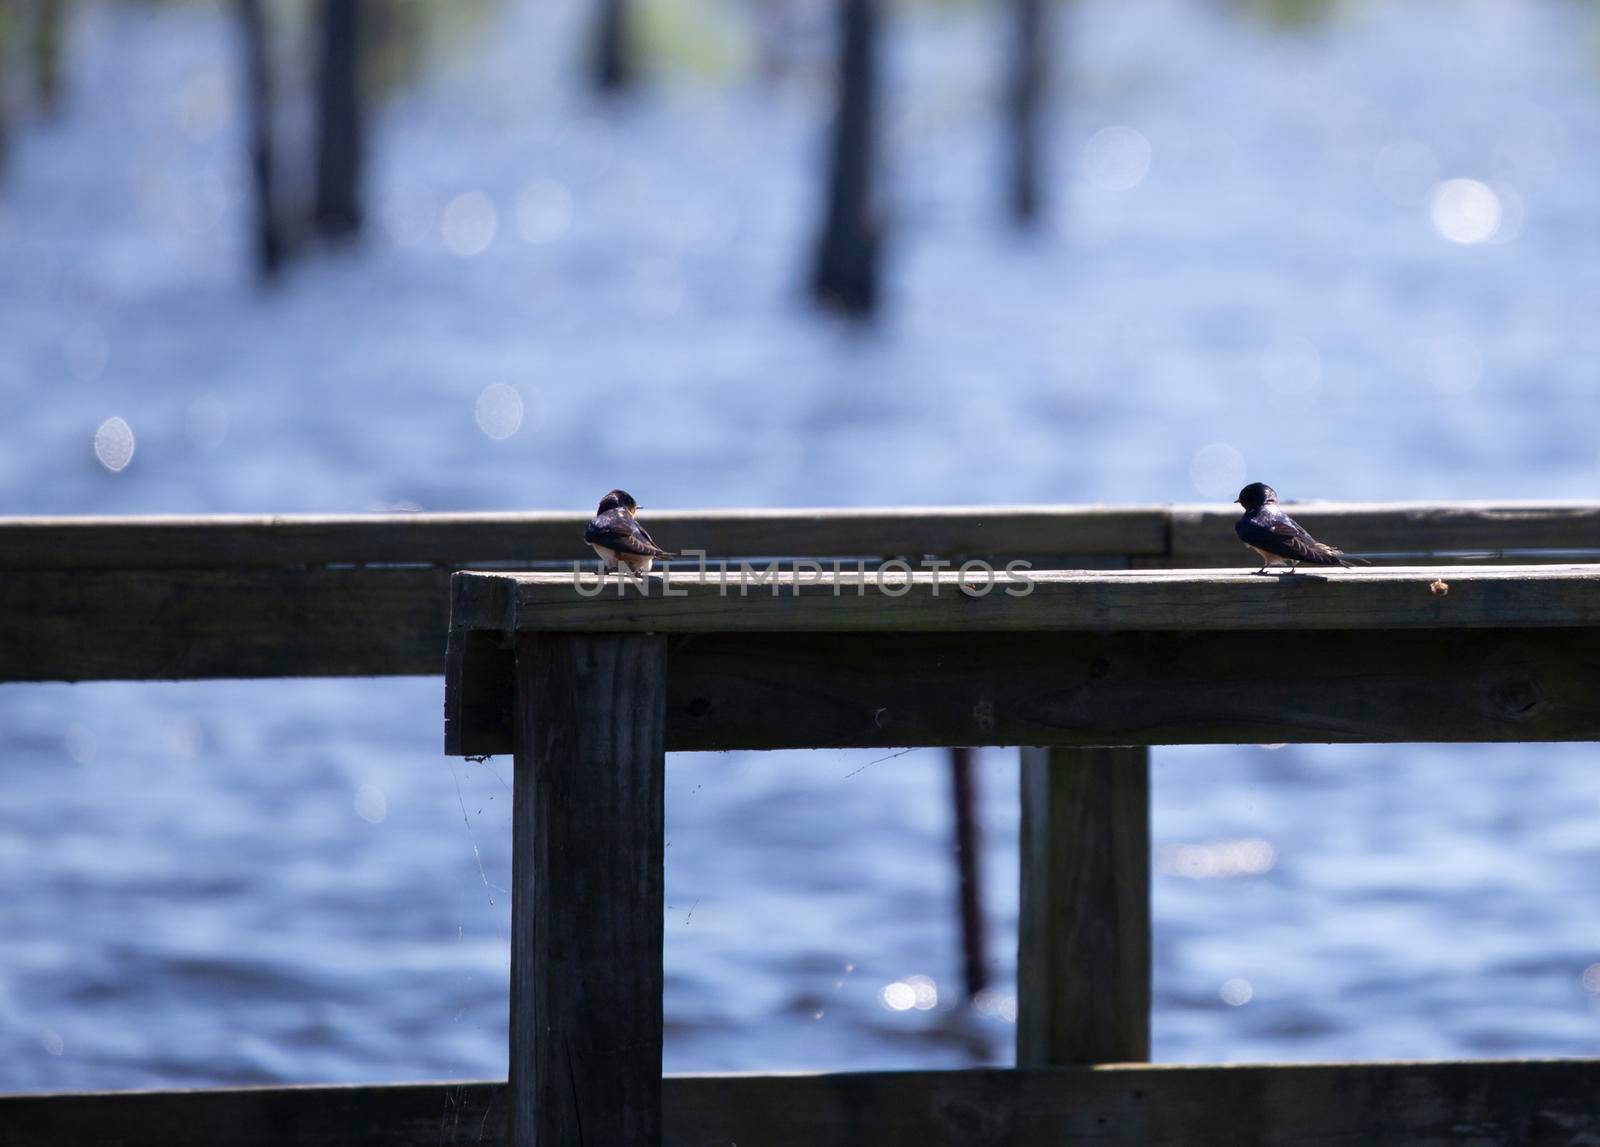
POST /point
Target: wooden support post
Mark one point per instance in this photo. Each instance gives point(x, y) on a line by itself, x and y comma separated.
point(1029, 75)
point(969, 871)
point(339, 125)
point(587, 888)
point(846, 271)
point(1083, 954)
point(613, 48)
point(269, 244)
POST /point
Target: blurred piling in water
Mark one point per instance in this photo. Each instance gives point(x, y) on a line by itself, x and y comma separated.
point(5, 75)
point(46, 51)
point(337, 211)
point(257, 60)
point(1026, 94)
point(614, 65)
point(969, 884)
point(846, 271)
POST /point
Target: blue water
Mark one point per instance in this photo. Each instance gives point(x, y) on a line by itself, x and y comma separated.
point(1261, 268)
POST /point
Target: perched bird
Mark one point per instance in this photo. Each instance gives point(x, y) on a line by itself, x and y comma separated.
point(619, 539)
point(1276, 536)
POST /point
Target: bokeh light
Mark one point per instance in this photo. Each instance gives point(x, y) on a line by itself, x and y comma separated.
point(1291, 365)
point(371, 804)
point(898, 996)
point(113, 444)
point(499, 411)
point(1117, 158)
point(1220, 860)
point(469, 224)
point(408, 215)
point(1217, 471)
point(924, 991)
point(1465, 211)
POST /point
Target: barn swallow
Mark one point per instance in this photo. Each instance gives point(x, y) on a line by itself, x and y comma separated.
point(619, 539)
point(1275, 535)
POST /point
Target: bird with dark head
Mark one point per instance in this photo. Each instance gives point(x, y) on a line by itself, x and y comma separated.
point(1275, 536)
point(616, 535)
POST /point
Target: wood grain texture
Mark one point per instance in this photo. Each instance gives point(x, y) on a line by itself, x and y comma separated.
point(822, 690)
point(193, 624)
point(587, 886)
point(1531, 1103)
point(1203, 535)
point(1388, 598)
point(1083, 947)
point(1199, 535)
point(231, 541)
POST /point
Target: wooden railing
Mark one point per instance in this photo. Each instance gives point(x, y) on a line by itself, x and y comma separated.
point(1111, 659)
point(156, 598)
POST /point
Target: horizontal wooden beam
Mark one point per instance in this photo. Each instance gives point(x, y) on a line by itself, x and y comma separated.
point(228, 541)
point(152, 598)
point(1341, 1105)
point(189, 624)
point(196, 624)
point(1177, 535)
point(827, 690)
point(1385, 598)
point(1522, 532)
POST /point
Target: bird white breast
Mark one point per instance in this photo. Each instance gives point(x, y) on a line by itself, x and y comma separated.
point(608, 556)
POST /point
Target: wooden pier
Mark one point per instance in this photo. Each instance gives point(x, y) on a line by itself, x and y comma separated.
point(1092, 665)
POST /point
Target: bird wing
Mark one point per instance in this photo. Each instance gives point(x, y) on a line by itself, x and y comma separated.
point(1278, 533)
point(645, 534)
point(617, 531)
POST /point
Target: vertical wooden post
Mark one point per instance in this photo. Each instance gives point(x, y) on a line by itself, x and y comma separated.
point(269, 247)
point(1083, 953)
point(846, 271)
point(587, 887)
point(613, 48)
point(969, 871)
point(1029, 77)
point(339, 128)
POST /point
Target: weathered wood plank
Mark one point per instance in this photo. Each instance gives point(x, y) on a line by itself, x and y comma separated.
point(1470, 1104)
point(1387, 598)
point(1083, 947)
point(1200, 535)
point(1203, 535)
point(233, 541)
point(196, 624)
point(588, 879)
point(786, 691)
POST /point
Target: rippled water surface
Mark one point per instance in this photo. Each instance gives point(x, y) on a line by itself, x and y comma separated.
point(1355, 258)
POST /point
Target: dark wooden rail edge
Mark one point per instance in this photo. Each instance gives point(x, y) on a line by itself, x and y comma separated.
point(1168, 535)
point(177, 598)
point(1379, 598)
point(1114, 658)
point(1487, 1103)
point(757, 691)
point(226, 541)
